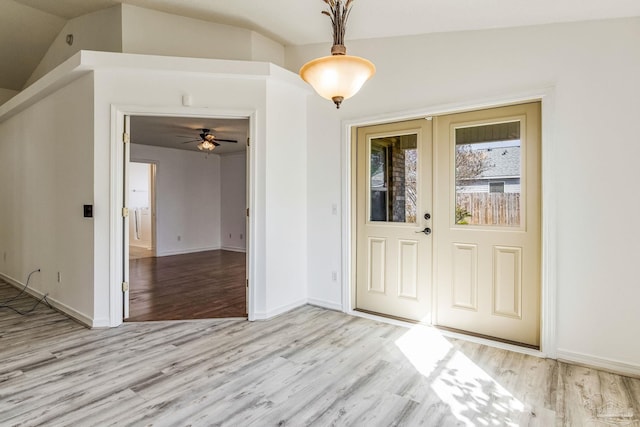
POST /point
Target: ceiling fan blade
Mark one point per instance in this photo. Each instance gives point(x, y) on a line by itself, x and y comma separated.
point(187, 142)
point(216, 144)
point(227, 140)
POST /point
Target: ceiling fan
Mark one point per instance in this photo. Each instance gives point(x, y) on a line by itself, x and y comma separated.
point(208, 141)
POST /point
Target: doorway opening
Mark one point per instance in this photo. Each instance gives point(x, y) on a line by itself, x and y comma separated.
point(142, 184)
point(186, 193)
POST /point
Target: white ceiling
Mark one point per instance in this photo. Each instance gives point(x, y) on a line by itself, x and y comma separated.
point(183, 132)
point(27, 27)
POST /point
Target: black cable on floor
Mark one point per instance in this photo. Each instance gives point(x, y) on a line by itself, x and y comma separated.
point(5, 304)
point(24, 313)
point(22, 291)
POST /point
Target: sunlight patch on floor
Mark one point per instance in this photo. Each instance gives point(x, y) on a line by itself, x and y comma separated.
point(473, 396)
point(424, 347)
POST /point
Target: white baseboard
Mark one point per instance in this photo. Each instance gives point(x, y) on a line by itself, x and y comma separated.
point(611, 365)
point(233, 249)
point(261, 315)
point(187, 251)
point(59, 306)
point(101, 323)
point(324, 304)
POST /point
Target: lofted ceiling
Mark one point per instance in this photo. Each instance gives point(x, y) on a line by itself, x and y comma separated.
point(27, 27)
point(183, 132)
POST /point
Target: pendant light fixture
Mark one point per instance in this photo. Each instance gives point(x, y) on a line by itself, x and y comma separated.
point(339, 76)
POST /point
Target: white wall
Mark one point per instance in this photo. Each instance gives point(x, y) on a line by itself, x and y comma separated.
point(101, 30)
point(233, 182)
point(324, 189)
point(187, 199)
point(7, 94)
point(286, 198)
point(77, 165)
point(593, 68)
point(151, 91)
point(278, 196)
point(46, 176)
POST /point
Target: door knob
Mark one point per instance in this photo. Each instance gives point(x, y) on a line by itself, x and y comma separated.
point(426, 231)
point(427, 216)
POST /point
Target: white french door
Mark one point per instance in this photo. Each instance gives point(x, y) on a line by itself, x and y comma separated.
point(483, 256)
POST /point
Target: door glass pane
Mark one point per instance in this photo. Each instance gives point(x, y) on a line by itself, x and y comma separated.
point(488, 175)
point(393, 178)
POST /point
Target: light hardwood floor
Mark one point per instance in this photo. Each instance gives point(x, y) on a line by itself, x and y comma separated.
point(307, 367)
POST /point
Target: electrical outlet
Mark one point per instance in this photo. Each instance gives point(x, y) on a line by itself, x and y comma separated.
point(4, 257)
point(229, 235)
point(334, 276)
point(179, 238)
point(59, 277)
point(240, 236)
point(334, 209)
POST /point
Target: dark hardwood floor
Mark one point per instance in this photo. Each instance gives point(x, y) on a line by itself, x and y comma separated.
point(199, 285)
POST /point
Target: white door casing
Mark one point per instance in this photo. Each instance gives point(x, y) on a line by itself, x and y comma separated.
point(118, 269)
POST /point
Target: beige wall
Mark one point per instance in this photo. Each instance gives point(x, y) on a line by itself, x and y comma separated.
point(100, 31)
point(148, 31)
point(266, 50)
point(130, 29)
point(7, 94)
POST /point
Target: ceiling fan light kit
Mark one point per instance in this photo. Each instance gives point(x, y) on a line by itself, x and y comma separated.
point(207, 141)
point(339, 76)
point(206, 145)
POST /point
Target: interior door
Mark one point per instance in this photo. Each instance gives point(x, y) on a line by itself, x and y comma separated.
point(393, 209)
point(247, 225)
point(154, 235)
point(488, 222)
point(125, 218)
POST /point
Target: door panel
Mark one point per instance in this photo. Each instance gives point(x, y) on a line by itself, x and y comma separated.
point(377, 262)
point(507, 281)
point(465, 276)
point(487, 224)
point(408, 269)
point(393, 192)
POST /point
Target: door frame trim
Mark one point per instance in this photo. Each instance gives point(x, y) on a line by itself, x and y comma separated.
point(118, 113)
point(546, 96)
